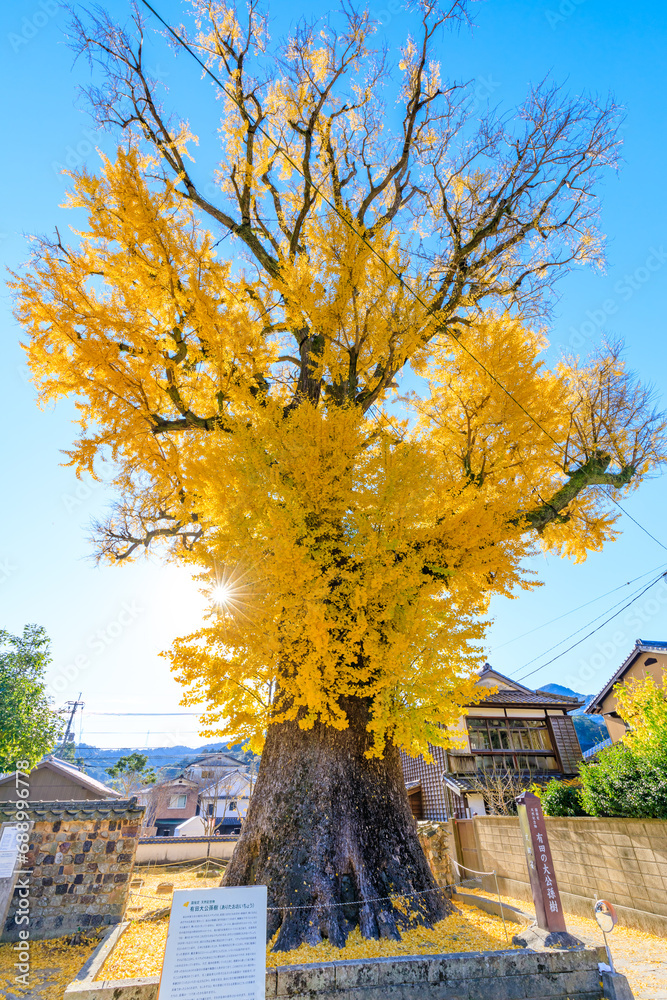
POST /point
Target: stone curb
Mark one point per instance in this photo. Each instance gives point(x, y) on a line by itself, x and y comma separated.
point(500, 975)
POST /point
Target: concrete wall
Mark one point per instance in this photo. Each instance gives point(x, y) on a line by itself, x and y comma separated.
point(623, 860)
point(79, 863)
point(165, 850)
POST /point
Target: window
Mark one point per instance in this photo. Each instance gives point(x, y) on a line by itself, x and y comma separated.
point(232, 805)
point(490, 739)
point(210, 808)
point(207, 774)
point(178, 801)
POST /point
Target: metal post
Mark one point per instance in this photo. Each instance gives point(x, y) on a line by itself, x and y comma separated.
point(500, 903)
point(609, 958)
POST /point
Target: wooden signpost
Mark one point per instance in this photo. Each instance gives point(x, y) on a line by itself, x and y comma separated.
point(548, 908)
point(216, 945)
point(550, 931)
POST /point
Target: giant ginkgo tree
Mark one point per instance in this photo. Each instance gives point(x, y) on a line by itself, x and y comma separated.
point(237, 359)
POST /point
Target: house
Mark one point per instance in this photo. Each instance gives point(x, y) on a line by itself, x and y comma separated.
point(171, 803)
point(168, 804)
point(224, 804)
point(647, 659)
point(511, 737)
point(55, 780)
point(211, 766)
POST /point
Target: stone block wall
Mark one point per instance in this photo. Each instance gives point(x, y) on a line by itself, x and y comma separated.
point(437, 844)
point(623, 860)
point(79, 864)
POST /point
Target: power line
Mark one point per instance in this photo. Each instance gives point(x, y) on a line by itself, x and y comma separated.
point(565, 614)
point(143, 714)
point(624, 511)
point(593, 631)
point(396, 274)
point(572, 634)
point(140, 732)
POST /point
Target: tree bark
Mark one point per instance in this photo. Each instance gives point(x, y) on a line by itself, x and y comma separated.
point(331, 834)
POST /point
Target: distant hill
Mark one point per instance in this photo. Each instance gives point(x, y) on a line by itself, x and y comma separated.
point(559, 689)
point(590, 729)
point(166, 761)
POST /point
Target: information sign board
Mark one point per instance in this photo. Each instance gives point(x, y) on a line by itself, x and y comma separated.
point(216, 945)
point(9, 851)
point(11, 860)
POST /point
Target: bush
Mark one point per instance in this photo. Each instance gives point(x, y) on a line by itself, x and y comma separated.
point(561, 798)
point(624, 782)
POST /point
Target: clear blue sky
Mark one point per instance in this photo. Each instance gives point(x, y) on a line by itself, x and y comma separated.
point(108, 624)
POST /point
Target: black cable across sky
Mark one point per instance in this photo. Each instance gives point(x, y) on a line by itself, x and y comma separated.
point(593, 631)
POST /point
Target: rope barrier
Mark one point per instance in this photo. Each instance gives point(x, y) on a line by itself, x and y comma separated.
point(376, 899)
point(149, 865)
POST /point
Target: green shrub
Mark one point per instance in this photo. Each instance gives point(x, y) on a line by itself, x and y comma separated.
point(624, 782)
point(561, 798)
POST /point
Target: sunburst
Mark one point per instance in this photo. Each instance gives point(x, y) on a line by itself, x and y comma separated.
point(234, 591)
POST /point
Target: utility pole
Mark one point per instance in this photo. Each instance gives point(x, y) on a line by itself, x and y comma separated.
point(72, 706)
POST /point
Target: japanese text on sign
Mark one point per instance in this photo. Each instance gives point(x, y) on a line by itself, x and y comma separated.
point(216, 945)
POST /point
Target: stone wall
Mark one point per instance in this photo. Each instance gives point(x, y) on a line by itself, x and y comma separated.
point(623, 860)
point(79, 863)
point(437, 844)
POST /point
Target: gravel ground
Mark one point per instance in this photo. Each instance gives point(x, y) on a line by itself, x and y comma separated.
point(640, 956)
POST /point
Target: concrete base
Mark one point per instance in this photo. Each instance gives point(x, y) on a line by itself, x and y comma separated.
point(499, 975)
point(615, 986)
point(536, 939)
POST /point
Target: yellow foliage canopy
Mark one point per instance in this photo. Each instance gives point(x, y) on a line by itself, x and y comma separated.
point(246, 407)
point(359, 548)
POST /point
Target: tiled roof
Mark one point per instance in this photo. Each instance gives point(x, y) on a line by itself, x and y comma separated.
point(71, 771)
point(518, 694)
point(103, 808)
point(460, 783)
point(530, 698)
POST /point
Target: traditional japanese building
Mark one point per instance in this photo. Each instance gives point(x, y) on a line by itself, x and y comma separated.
point(54, 780)
point(647, 659)
point(511, 737)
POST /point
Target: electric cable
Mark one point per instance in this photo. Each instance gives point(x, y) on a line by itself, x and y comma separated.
point(593, 631)
point(577, 631)
point(565, 614)
point(143, 714)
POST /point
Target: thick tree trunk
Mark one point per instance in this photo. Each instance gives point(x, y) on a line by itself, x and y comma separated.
point(331, 834)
